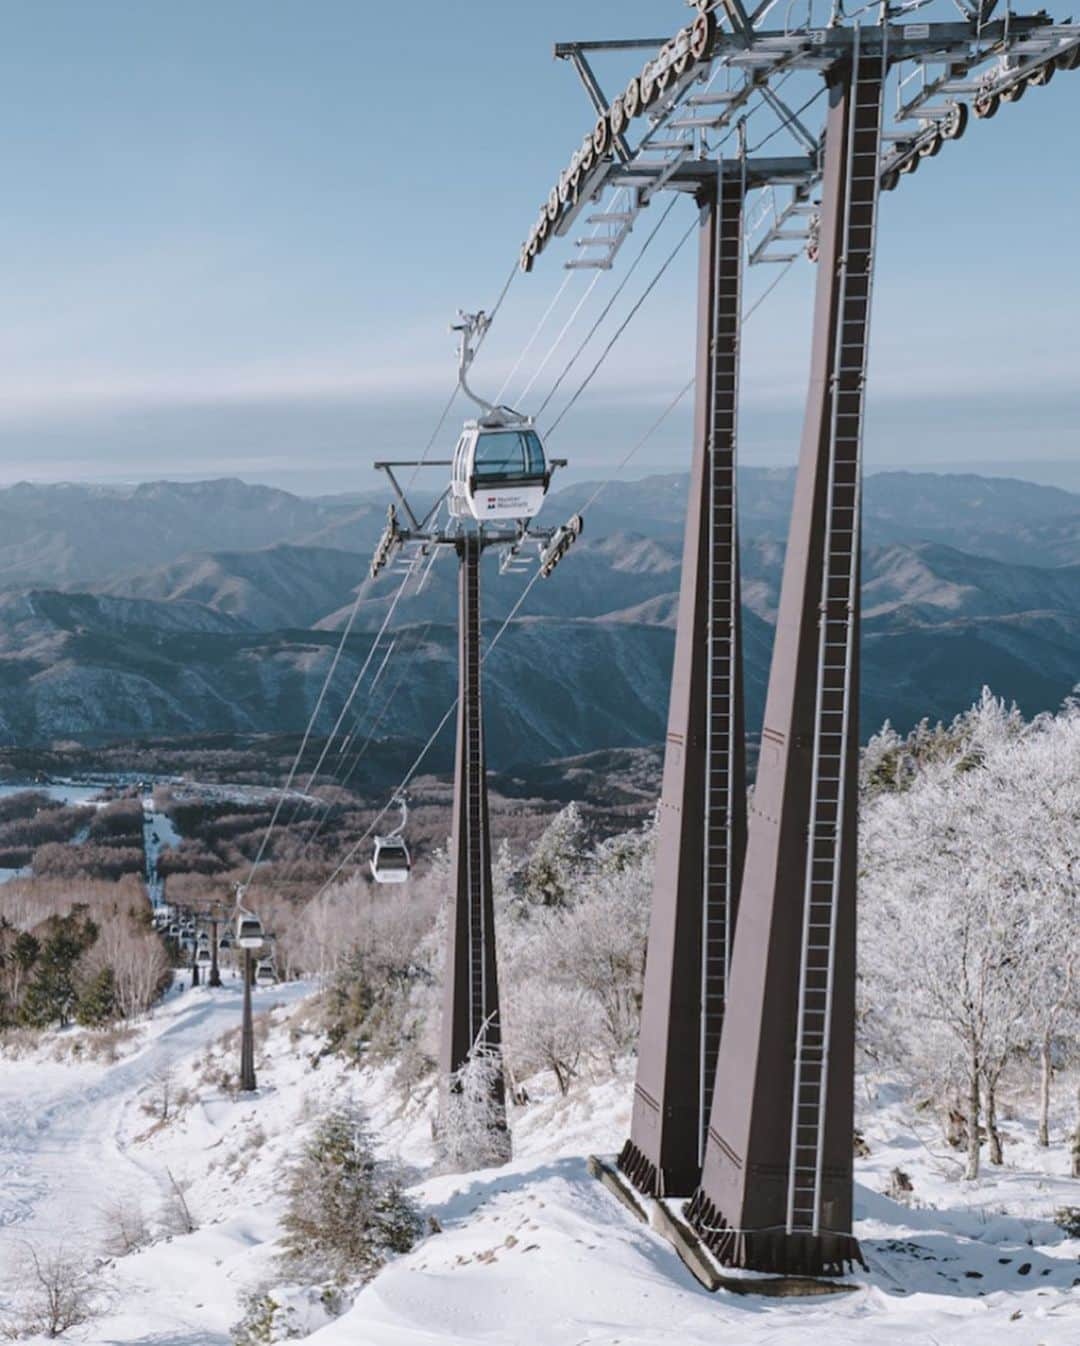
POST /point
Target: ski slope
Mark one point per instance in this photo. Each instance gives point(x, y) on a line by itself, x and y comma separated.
point(534, 1253)
point(64, 1152)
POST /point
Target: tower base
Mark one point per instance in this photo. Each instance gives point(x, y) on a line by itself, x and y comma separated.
point(772, 1250)
point(638, 1169)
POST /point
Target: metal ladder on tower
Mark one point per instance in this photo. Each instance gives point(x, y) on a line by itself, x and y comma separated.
point(721, 645)
point(474, 767)
point(837, 632)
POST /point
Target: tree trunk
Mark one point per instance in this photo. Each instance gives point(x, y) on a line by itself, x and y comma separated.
point(1076, 1138)
point(972, 1171)
point(996, 1156)
point(1047, 1071)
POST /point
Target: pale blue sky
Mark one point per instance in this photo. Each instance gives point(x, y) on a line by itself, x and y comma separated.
point(233, 235)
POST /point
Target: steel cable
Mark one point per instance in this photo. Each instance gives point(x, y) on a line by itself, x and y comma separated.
point(512, 614)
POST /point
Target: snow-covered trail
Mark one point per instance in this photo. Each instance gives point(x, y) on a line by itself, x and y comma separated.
point(61, 1161)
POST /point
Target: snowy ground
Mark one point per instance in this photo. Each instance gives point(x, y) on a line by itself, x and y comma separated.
point(535, 1252)
point(158, 833)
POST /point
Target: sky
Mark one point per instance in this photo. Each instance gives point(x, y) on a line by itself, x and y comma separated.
point(234, 235)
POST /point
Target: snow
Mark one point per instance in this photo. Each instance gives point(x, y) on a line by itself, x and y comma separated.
point(158, 833)
point(534, 1252)
point(60, 790)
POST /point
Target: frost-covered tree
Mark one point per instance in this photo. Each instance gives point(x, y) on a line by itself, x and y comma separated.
point(472, 1130)
point(968, 905)
point(554, 1028)
point(556, 859)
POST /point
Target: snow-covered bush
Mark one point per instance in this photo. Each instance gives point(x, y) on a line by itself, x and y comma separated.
point(347, 1213)
point(285, 1313)
point(472, 1131)
point(57, 1293)
point(124, 1226)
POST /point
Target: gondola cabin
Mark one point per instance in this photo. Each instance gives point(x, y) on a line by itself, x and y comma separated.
point(249, 931)
point(499, 472)
point(390, 863)
point(203, 957)
point(264, 974)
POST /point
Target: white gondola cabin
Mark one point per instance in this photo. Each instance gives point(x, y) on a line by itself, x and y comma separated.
point(249, 931)
point(203, 957)
point(390, 863)
point(264, 973)
point(499, 471)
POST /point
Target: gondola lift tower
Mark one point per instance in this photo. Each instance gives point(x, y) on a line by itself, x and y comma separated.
point(744, 1095)
point(499, 476)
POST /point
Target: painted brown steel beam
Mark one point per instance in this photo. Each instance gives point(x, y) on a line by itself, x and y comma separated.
point(776, 1187)
point(471, 990)
point(702, 817)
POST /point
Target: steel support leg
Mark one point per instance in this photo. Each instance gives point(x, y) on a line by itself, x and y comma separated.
point(702, 819)
point(776, 1189)
point(247, 1032)
point(215, 970)
point(471, 992)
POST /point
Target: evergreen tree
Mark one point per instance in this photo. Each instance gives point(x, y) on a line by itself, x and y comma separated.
point(51, 996)
point(556, 859)
point(346, 1215)
point(96, 1004)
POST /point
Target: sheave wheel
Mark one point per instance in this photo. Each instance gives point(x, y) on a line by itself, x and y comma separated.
point(702, 35)
point(631, 99)
point(955, 124)
point(986, 105)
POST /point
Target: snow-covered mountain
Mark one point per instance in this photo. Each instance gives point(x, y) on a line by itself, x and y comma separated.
point(967, 581)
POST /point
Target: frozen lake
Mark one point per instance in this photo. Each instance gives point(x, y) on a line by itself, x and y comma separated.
point(67, 794)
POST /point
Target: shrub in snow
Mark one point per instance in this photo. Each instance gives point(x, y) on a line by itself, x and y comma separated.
point(175, 1213)
point(346, 1213)
point(472, 1130)
point(124, 1226)
point(286, 1313)
point(553, 1027)
point(57, 1294)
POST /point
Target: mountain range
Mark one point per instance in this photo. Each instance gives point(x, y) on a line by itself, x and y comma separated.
point(186, 608)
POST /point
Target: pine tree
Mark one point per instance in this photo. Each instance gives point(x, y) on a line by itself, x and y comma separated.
point(346, 1214)
point(51, 996)
point(556, 859)
point(96, 1004)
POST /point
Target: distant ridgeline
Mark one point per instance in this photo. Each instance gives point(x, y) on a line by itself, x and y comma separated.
point(176, 609)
